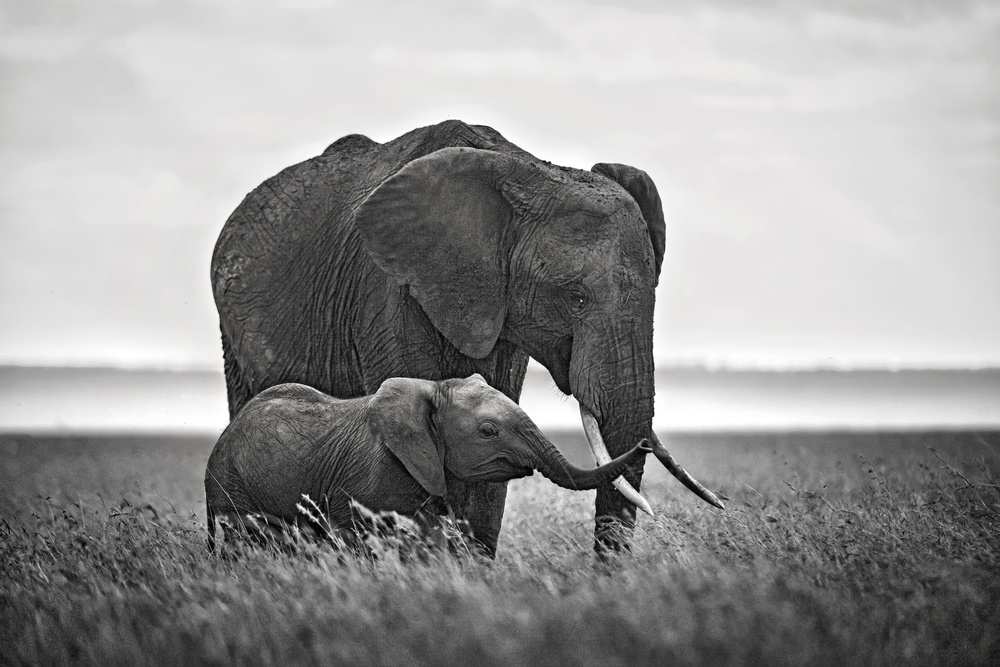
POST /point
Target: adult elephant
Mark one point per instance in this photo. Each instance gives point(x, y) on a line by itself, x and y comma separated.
point(445, 252)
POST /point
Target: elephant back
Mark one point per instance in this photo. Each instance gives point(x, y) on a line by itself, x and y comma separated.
point(284, 256)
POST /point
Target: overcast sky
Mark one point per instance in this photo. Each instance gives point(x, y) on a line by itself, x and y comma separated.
point(830, 170)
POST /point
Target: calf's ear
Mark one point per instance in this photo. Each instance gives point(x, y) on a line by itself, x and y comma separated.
point(401, 415)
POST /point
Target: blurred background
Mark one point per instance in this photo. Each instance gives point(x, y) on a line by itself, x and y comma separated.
point(830, 173)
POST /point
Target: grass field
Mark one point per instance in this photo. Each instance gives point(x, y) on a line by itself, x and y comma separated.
point(841, 548)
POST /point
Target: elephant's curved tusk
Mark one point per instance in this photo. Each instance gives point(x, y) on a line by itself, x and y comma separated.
point(600, 450)
point(683, 475)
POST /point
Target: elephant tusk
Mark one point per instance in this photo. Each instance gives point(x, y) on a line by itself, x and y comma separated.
point(600, 450)
point(681, 474)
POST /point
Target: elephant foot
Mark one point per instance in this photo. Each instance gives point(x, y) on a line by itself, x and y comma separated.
point(611, 538)
point(614, 523)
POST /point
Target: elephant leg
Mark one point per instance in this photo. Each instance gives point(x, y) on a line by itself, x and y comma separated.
point(441, 531)
point(259, 528)
point(615, 517)
point(480, 504)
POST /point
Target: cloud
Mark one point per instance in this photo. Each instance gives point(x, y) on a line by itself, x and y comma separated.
point(803, 150)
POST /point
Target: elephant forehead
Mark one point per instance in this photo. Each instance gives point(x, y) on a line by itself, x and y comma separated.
point(579, 227)
point(596, 195)
point(591, 254)
point(482, 400)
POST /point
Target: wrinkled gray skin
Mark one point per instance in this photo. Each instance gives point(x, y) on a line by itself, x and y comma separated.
point(391, 451)
point(445, 252)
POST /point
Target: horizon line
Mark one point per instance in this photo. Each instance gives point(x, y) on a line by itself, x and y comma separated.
point(537, 369)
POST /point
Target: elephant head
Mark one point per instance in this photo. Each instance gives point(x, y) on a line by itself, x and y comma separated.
point(561, 263)
point(475, 433)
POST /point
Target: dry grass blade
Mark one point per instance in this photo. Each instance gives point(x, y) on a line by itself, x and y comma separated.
point(839, 549)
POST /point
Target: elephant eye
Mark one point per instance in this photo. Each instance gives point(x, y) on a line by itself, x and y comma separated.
point(577, 300)
point(488, 430)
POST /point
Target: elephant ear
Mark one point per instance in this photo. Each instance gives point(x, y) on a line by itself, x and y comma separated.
point(437, 225)
point(401, 415)
point(638, 184)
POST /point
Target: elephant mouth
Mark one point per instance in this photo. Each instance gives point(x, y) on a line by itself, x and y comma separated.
point(497, 471)
point(557, 363)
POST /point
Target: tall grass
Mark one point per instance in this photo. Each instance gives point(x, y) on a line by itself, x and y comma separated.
point(834, 549)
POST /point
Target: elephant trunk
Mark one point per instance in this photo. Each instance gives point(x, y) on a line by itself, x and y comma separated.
point(601, 455)
point(611, 377)
point(554, 466)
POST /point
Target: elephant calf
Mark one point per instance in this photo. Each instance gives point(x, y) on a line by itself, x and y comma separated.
point(391, 451)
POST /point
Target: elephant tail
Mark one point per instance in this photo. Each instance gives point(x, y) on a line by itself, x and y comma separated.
point(210, 515)
point(238, 391)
